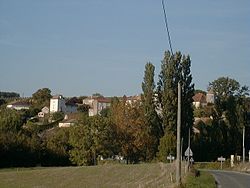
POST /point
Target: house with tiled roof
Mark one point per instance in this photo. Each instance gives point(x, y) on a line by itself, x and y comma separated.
point(199, 100)
point(97, 104)
point(19, 105)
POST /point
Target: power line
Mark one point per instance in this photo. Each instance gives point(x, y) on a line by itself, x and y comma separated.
point(166, 25)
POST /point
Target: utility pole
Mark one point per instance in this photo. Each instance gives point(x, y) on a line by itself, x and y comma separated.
point(189, 149)
point(178, 157)
point(243, 144)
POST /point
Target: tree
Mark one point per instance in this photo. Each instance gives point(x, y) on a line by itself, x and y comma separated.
point(230, 111)
point(225, 86)
point(153, 122)
point(7, 95)
point(57, 116)
point(41, 97)
point(131, 131)
point(10, 121)
point(92, 137)
point(167, 147)
point(176, 68)
point(97, 95)
point(84, 108)
point(187, 98)
point(56, 148)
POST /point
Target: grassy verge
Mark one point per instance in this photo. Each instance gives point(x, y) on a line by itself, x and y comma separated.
point(143, 175)
point(205, 180)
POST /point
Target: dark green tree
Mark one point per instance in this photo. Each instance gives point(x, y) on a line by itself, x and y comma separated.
point(230, 110)
point(176, 68)
point(41, 98)
point(92, 137)
point(56, 148)
point(187, 98)
point(149, 107)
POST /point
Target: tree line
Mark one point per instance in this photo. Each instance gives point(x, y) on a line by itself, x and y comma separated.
point(141, 131)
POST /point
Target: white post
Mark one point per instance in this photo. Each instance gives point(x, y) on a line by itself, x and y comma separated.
point(232, 160)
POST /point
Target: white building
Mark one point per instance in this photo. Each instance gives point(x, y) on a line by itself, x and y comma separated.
point(57, 104)
point(67, 123)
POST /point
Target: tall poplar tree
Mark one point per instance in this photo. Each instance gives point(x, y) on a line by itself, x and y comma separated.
point(187, 99)
point(155, 129)
point(175, 68)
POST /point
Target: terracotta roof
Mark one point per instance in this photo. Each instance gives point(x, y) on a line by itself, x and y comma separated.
point(103, 100)
point(57, 97)
point(20, 103)
point(199, 97)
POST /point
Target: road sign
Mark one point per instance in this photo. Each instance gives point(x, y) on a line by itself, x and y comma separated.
point(221, 159)
point(170, 157)
point(191, 160)
point(188, 152)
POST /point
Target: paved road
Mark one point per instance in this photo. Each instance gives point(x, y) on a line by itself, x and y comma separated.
point(226, 179)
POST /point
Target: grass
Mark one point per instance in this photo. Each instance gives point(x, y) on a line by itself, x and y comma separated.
point(205, 180)
point(143, 175)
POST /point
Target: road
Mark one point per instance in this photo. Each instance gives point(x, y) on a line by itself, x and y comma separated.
point(226, 179)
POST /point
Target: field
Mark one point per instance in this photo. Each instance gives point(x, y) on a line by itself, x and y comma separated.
point(142, 175)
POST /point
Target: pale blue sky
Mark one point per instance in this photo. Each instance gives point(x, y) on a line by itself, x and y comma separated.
point(79, 47)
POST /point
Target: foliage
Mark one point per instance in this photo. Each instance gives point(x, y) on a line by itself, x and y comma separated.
point(152, 120)
point(56, 148)
point(167, 147)
point(205, 180)
point(6, 95)
point(10, 120)
point(57, 116)
point(131, 131)
point(92, 137)
point(176, 68)
point(2, 101)
point(83, 108)
point(222, 135)
point(106, 112)
point(18, 149)
point(199, 91)
point(212, 165)
point(41, 98)
point(97, 95)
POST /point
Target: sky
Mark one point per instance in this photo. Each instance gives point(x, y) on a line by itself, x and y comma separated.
point(81, 47)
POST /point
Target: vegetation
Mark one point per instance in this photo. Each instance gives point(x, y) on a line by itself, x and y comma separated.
point(175, 68)
point(139, 131)
point(6, 95)
point(221, 135)
point(205, 180)
point(153, 128)
point(41, 98)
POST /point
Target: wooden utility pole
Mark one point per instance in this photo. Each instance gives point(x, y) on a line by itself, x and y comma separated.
point(243, 145)
point(189, 149)
point(178, 157)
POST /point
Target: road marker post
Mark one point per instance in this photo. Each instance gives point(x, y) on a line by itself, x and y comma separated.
point(221, 159)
